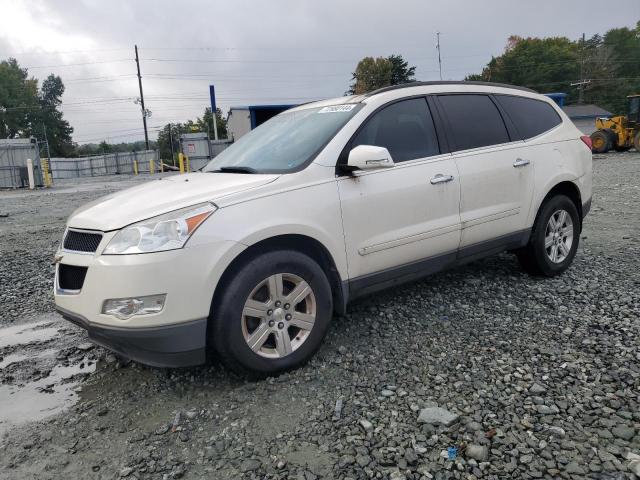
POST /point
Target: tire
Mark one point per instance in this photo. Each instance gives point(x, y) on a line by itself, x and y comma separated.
point(636, 142)
point(535, 257)
point(262, 287)
point(600, 141)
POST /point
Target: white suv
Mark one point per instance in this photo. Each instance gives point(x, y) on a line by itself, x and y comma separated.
point(322, 204)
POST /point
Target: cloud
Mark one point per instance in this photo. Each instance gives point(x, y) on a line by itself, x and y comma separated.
point(277, 51)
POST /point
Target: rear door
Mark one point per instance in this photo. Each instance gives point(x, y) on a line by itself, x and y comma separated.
point(398, 216)
point(496, 173)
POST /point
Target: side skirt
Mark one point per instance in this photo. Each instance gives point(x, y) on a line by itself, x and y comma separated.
point(374, 282)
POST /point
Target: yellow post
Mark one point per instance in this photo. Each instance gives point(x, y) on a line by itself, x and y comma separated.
point(161, 166)
point(188, 165)
point(45, 172)
point(135, 166)
point(151, 166)
point(181, 162)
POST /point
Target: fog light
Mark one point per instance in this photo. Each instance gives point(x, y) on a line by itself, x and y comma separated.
point(124, 308)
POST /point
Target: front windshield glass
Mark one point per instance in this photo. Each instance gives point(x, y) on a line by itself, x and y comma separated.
point(284, 143)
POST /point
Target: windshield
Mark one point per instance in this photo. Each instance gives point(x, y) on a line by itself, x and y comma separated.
point(285, 143)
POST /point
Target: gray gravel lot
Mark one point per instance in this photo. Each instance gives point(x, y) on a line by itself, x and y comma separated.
point(480, 372)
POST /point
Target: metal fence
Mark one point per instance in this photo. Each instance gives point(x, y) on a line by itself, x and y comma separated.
point(13, 162)
point(200, 150)
point(145, 161)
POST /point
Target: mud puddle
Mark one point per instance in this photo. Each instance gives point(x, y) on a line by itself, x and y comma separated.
point(41, 368)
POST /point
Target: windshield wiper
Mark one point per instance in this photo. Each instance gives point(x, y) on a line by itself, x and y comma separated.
point(232, 169)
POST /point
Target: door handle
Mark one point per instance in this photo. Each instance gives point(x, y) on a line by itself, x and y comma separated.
point(440, 178)
point(521, 162)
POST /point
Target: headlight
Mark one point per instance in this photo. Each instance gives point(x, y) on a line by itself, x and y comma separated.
point(164, 232)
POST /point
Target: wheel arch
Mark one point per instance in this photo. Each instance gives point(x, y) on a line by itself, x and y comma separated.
point(567, 188)
point(298, 242)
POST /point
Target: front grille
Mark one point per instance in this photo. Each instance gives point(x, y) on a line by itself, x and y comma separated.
point(82, 241)
point(71, 277)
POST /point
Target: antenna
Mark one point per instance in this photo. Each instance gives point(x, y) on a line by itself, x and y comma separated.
point(438, 48)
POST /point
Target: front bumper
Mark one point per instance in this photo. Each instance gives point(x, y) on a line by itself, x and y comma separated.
point(174, 337)
point(181, 345)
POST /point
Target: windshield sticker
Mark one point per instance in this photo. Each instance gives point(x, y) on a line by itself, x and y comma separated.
point(338, 108)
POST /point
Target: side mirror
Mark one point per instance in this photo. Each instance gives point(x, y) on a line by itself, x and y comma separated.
point(369, 157)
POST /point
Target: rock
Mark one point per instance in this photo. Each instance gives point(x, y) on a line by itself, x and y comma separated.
point(623, 432)
point(366, 425)
point(363, 460)
point(85, 347)
point(125, 472)
point(249, 465)
point(397, 475)
point(162, 429)
point(574, 468)
point(556, 431)
point(337, 410)
point(346, 460)
point(537, 389)
point(437, 416)
point(387, 393)
point(547, 410)
point(479, 453)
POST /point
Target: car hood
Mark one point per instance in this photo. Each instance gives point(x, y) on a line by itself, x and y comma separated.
point(160, 196)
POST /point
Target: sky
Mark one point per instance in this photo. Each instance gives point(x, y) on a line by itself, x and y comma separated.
point(257, 51)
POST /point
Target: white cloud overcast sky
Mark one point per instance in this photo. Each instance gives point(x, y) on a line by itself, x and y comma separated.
point(258, 52)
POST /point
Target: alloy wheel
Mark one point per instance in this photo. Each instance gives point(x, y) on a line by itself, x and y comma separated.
point(278, 315)
point(558, 237)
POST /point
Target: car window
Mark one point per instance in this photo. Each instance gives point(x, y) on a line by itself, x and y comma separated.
point(285, 143)
point(531, 117)
point(474, 120)
point(404, 128)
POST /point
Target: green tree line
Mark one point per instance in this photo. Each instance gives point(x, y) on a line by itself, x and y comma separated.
point(609, 62)
point(27, 109)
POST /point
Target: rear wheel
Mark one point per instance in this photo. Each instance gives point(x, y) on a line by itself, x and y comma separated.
point(554, 239)
point(272, 315)
point(600, 141)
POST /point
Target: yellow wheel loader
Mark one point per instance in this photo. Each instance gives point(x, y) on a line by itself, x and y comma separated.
point(621, 132)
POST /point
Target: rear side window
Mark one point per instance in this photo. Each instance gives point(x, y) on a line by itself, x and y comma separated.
point(404, 128)
point(475, 121)
point(531, 117)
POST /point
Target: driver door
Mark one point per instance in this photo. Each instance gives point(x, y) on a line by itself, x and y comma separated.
point(401, 221)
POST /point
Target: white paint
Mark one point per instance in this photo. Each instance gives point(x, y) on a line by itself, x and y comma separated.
point(32, 183)
point(374, 220)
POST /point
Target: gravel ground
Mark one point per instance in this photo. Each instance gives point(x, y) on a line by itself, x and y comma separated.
point(480, 372)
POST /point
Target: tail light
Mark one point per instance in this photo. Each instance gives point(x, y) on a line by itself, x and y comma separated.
point(587, 140)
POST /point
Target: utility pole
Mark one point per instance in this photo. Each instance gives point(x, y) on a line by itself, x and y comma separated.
point(144, 112)
point(439, 59)
point(581, 91)
point(581, 84)
point(173, 160)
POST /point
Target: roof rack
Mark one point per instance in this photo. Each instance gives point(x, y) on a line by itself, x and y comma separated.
point(447, 82)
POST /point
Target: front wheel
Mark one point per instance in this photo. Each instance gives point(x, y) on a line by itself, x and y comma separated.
point(554, 239)
point(272, 315)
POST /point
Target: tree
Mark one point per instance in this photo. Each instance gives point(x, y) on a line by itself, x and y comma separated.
point(18, 100)
point(172, 131)
point(58, 130)
point(26, 110)
point(401, 72)
point(373, 73)
point(609, 62)
point(206, 123)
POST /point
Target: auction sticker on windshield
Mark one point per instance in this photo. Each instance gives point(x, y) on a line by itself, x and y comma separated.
point(338, 108)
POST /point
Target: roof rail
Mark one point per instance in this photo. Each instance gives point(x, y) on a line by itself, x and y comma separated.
point(446, 82)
